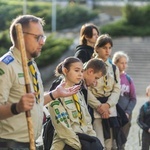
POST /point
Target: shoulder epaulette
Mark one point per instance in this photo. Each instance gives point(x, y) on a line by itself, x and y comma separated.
point(7, 59)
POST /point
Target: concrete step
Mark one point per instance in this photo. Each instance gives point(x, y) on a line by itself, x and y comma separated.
point(138, 50)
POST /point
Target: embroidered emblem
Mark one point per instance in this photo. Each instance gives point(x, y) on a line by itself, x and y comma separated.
point(1, 71)
point(61, 117)
point(74, 114)
point(66, 122)
point(68, 102)
point(57, 111)
point(55, 103)
point(20, 75)
point(8, 59)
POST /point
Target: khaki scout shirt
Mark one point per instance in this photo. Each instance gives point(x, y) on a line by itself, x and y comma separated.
point(112, 90)
point(66, 122)
point(12, 87)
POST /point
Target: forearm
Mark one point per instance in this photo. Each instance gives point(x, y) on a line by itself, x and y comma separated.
point(60, 91)
point(48, 98)
point(93, 101)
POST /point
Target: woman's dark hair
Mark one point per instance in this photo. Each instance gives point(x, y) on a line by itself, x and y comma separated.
point(87, 31)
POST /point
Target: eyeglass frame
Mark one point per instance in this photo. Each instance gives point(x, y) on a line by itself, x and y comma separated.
point(38, 37)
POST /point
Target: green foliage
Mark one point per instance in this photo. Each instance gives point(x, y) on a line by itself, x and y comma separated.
point(121, 28)
point(67, 17)
point(52, 50)
point(133, 15)
point(135, 22)
point(4, 42)
point(73, 15)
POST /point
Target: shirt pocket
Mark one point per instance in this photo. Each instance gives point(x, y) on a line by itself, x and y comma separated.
point(72, 112)
point(21, 88)
point(21, 81)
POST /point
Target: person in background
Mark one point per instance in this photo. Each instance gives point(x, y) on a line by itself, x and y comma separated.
point(14, 100)
point(88, 36)
point(127, 99)
point(107, 91)
point(143, 121)
point(70, 116)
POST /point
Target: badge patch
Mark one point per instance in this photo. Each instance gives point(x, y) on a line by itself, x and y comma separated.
point(68, 102)
point(8, 59)
point(66, 122)
point(57, 111)
point(55, 103)
point(1, 71)
point(20, 75)
point(64, 114)
point(61, 117)
point(74, 114)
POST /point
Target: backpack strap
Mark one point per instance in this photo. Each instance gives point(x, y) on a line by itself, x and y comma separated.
point(114, 70)
point(55, 83)
point(145, 107)
point(128, 78)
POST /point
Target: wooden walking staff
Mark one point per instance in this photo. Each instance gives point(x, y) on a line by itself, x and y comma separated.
point(20, 39)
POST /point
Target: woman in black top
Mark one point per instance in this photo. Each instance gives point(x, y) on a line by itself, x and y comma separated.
point(88, 36)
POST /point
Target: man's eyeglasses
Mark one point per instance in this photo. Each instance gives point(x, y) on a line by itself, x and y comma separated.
point(38, 37)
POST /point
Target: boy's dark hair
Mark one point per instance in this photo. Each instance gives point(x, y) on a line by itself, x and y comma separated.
point(96, 64)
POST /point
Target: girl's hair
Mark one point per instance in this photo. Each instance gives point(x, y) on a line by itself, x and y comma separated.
point(87, 31)
point(96, 64)
point(118, 55)
point(101, 41)
point(66, 63)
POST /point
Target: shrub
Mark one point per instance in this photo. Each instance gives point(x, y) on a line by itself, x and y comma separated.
point(67, 17)
point(52, 50)
point(135, 19)
point(4, 42)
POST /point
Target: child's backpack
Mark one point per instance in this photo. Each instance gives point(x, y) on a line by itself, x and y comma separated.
point(48, 128)
point(48, 133)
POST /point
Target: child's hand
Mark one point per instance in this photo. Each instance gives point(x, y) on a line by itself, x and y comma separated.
point(149, 130)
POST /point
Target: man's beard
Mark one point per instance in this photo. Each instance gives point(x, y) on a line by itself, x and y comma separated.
point(35, 54)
